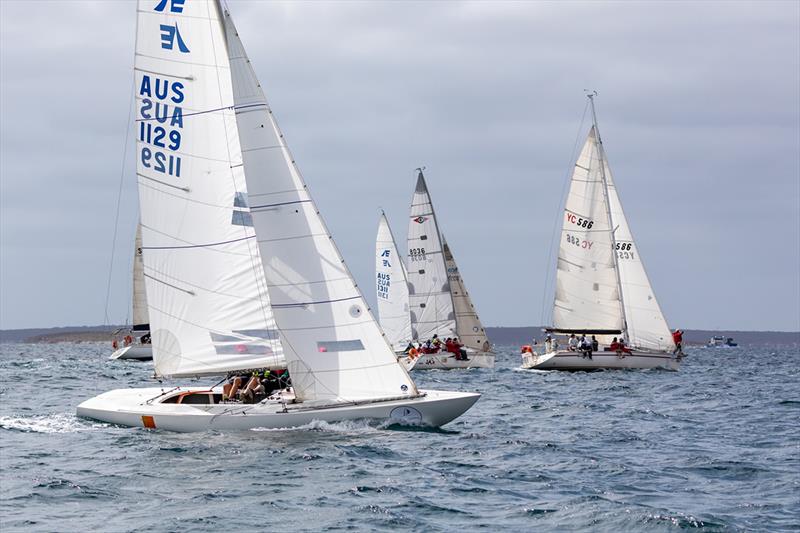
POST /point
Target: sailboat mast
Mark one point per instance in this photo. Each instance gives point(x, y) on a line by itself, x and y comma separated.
point(602, 157)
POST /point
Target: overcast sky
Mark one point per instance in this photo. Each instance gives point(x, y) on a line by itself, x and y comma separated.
point(698, 104)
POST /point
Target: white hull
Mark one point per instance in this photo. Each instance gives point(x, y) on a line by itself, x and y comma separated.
point(567, 360)
point(146, 408)
point(139, 352)
point(447, 360)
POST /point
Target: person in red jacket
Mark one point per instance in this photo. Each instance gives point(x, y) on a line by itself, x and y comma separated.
point(677, 338)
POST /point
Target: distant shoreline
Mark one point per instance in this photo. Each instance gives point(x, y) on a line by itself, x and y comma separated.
point(501, 336)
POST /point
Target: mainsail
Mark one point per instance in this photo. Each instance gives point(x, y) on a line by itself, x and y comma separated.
point(140, 315)
point(587, 296)
point(431, 303)
point(334, 348)
point(469, 329)
point(207, 294)
point(391, 287)
point(601, 283)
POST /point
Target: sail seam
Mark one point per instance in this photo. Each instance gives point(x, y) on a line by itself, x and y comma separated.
point(185, 189)
point(320, 302)
point(197, 245)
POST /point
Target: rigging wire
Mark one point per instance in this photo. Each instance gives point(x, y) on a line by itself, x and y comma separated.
point(119, 200)
point(557, 220)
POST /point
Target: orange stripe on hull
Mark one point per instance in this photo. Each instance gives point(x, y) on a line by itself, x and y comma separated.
point(149, 422)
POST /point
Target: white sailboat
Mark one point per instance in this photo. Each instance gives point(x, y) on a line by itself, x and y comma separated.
point(391, 288)
point(134, 342)
point(439, 302)
point(602, 289)
point(241, 271)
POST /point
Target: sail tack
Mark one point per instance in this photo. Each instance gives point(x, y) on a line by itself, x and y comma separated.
point(334, 348)
point(207, 295)
point(391, 287)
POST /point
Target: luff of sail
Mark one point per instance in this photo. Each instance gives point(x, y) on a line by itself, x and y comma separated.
point(469, 329)
point(391, 288)
point(587, 296)
point(207, 297)
point(646, 326)
point(140, 316)
point(430, 301)
point(334, 348)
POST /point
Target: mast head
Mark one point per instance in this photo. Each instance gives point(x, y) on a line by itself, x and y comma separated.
point(421, 187)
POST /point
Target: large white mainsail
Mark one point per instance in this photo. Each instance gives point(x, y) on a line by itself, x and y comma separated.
point(469, 328)
point(141, 321)
point(587, 296)
point(431, 303)
point(646, 326)
point(334, 348)
point(207, 295)
point(391, 288)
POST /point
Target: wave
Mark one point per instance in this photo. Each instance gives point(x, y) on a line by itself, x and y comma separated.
point(53, 423)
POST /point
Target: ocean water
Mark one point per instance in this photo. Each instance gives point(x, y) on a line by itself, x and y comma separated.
point(713, 447)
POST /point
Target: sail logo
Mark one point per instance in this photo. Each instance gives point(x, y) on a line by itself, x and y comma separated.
point(171, 34)
point(384, 282)
point(420, 219)
point(385, 262)
point(175, 6)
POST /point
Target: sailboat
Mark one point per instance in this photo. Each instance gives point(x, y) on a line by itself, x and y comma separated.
point(242, 274)
point(134, 342)
point(439, 302)
point(391, 288)
point(602, 289)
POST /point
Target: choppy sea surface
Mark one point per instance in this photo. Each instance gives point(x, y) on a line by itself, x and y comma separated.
point(714, 446)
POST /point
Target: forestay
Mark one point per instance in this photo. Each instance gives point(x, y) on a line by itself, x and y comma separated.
point(430, 300)
point(469, 329)
point(587, 296)
point(207, 296)
point(646, 326)
point(140, 316)
point(391, 287)
point(335, 350)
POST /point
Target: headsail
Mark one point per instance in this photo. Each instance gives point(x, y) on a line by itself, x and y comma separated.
point(587, 296)
point(469, 329)
point(140, 315)
point(335, 350)
point(207, 296)
point(646, 325)
point(391, 286)
point(432, 310)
